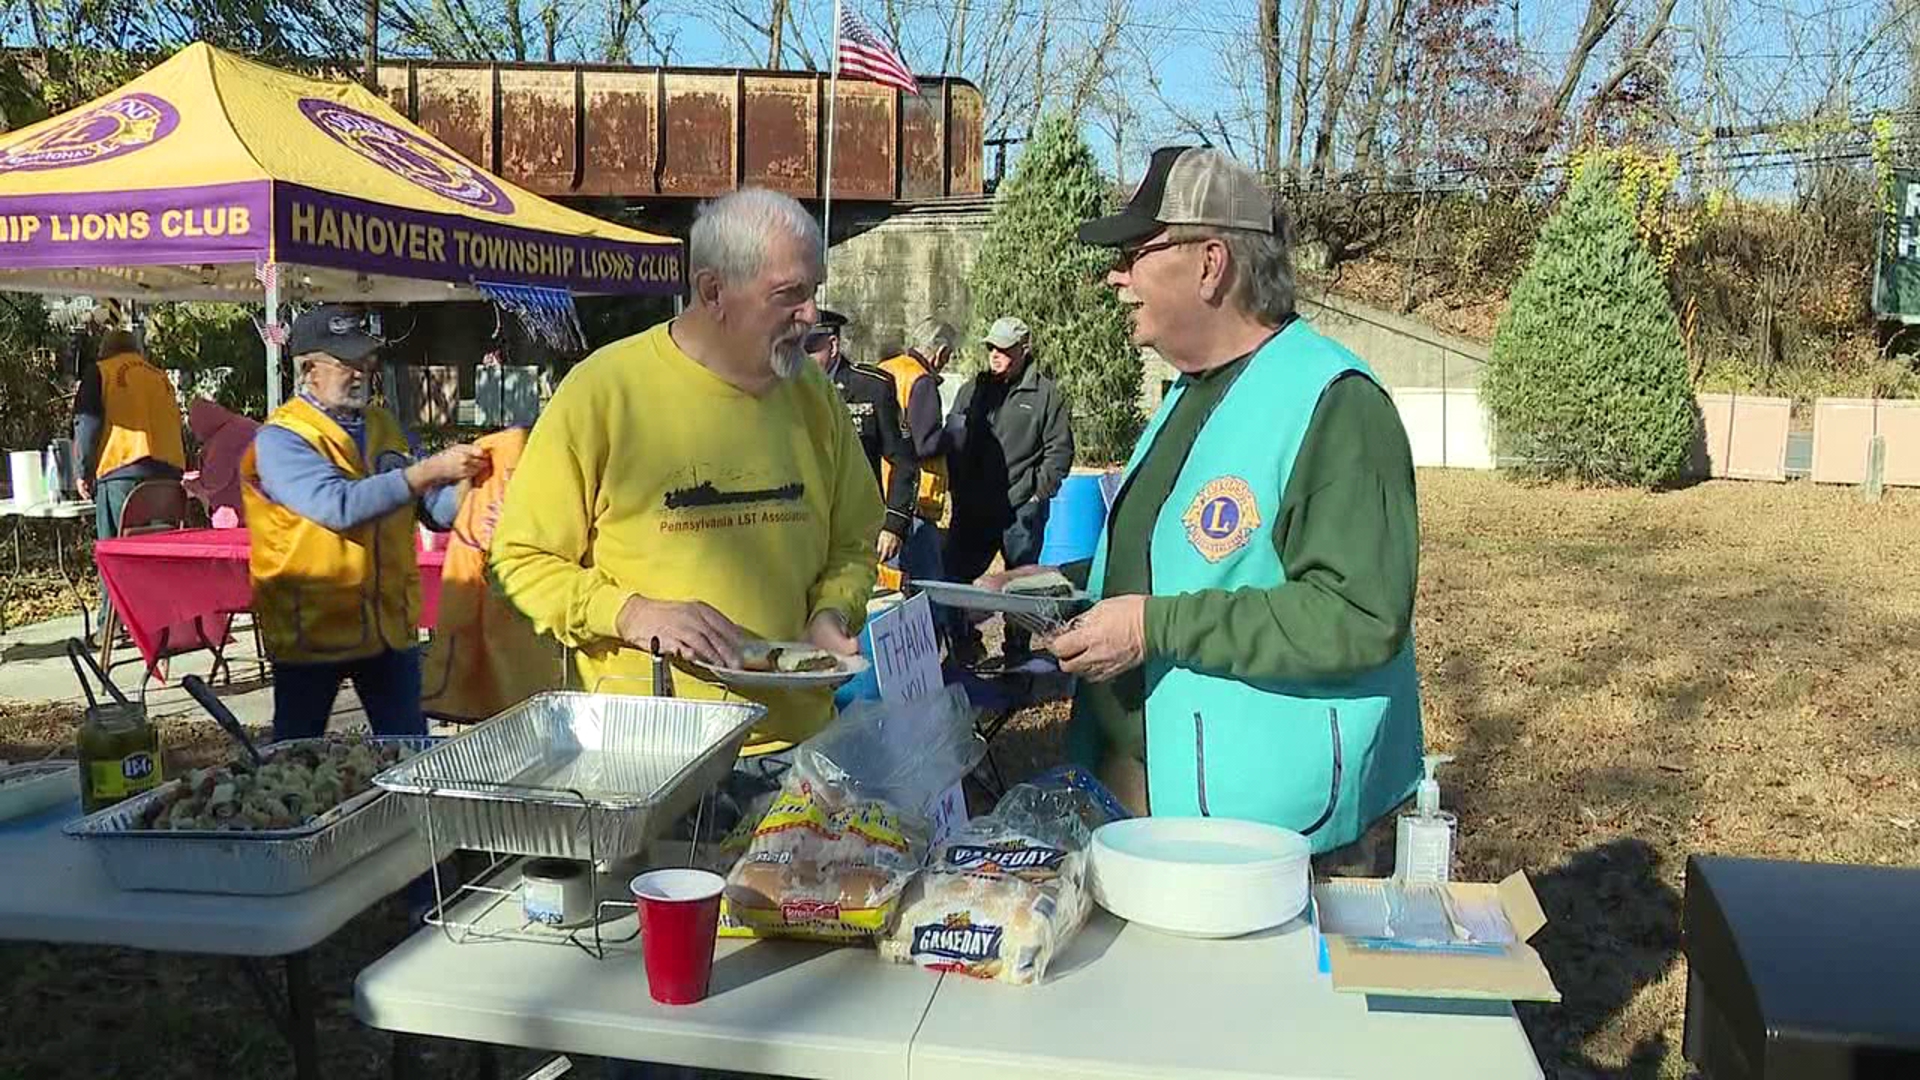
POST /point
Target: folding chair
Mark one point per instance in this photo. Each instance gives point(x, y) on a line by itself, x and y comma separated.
point(154, 506)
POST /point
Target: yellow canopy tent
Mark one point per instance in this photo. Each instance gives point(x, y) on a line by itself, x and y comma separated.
point(212, 177)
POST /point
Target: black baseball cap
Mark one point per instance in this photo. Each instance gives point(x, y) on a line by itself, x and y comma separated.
point(826, 324)
point(1186, 185)
point(338, 330)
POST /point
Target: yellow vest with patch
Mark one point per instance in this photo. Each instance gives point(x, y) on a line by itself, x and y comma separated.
point(323, 596)
point(142, 419)
point(932, 496)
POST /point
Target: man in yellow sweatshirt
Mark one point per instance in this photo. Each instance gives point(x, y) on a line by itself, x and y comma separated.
point(700, 483)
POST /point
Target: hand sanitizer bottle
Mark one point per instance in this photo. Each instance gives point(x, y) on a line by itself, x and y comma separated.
point(1423, 853)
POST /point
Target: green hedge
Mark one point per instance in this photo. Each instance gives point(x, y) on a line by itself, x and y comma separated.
point(1588, 376)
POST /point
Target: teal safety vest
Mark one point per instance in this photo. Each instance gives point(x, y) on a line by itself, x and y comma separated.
point(1325, 759)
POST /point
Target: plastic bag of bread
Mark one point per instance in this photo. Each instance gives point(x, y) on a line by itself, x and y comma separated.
point(1005, 895)
point(830, 855)
point(825, 864)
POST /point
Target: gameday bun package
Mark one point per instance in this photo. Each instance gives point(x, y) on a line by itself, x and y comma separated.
point(829, 856)
point(1003, 897)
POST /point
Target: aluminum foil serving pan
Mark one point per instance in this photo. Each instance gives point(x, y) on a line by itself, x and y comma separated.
point(245, 862)
point(572, 775)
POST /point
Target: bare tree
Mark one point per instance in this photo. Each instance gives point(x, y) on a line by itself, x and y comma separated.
point(1268, 31)
point(955, 56)
point(1339, 78)
point(1601, 17)
point(776, 28)
point(1386, 62)
point(1635, 57)
point(1302, 88)
point(1090, 70)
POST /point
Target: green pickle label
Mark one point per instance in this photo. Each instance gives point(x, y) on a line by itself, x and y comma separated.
point(121, 778)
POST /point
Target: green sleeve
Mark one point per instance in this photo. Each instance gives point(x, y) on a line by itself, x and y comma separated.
point(1348, 535)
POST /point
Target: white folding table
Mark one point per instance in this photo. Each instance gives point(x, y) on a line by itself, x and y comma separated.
point(776, 1007)
point(1123, 1002)
point(58, 893)
point(1128, 1002)
point(58, 513)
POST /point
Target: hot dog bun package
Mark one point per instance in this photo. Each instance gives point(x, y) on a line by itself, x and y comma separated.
point(831, 853)
point(1003, 897)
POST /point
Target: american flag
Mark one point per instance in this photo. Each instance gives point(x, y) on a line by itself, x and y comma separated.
point(863, 54)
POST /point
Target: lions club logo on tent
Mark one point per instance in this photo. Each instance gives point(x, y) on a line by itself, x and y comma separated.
point(1221, 518)
point(107, 130)
point(407, 155)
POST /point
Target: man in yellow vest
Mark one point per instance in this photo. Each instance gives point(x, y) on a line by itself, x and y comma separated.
point(916, 379)
point(126, 429)
point(332, 492)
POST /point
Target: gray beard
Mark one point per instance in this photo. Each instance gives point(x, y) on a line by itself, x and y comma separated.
point(787, 359)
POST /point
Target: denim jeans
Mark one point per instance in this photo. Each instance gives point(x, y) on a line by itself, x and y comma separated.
point(922, 558)
point(970, 552)
point(919, 557)
point(109, 497)
point(388, 684)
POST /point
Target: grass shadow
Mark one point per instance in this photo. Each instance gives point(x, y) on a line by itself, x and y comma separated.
point(1613, 928)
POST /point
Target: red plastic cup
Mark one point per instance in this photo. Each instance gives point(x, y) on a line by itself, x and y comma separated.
point(679, 918)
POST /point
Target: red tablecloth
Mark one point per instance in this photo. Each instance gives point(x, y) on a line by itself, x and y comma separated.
point(161, 582)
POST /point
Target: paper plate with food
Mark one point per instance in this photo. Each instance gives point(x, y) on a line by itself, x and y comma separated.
point(1041, 601)
point(788, 664)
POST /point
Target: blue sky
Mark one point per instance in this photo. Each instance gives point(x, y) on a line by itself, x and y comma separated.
point(1197, 59)
point(1777, 59)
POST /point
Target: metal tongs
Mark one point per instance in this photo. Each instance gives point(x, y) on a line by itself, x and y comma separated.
point(77, 655)
point(662, 672)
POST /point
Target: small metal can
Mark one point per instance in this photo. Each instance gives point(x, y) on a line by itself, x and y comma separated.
point(556, 892)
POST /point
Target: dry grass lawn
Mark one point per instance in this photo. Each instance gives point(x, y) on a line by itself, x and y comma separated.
point(1626, 679)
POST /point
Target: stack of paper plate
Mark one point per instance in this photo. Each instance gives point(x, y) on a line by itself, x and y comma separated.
point(1200, 877)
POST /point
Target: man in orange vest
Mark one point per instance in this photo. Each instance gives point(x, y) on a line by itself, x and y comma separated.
point(126, 428)
point(332, 492)
point(916, 379)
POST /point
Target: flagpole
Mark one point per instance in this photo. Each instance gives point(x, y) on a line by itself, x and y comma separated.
point(833, 101)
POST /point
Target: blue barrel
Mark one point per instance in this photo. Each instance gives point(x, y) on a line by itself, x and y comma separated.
point(1074, 520)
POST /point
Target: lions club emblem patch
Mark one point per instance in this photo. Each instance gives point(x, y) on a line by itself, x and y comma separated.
point(1221, 518)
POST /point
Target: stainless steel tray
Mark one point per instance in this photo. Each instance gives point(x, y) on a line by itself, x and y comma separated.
point(573, 775)
point(1038, 614)
point(256, 862)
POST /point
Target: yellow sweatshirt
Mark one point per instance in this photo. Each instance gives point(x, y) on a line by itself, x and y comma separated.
point(647, 474)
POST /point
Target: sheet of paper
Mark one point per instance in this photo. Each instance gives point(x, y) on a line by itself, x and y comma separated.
point(906, 665)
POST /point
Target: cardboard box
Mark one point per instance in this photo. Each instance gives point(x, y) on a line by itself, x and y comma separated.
point(1516, 973)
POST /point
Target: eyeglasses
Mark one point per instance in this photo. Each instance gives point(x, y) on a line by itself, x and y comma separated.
point(817, 340)
point(1124, 260)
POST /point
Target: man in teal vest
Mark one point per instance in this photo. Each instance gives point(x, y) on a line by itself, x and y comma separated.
point(1252, 655)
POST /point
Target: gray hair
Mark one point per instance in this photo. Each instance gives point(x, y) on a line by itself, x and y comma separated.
point(730, 234)
point(1262, 267)
point(931, 335)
